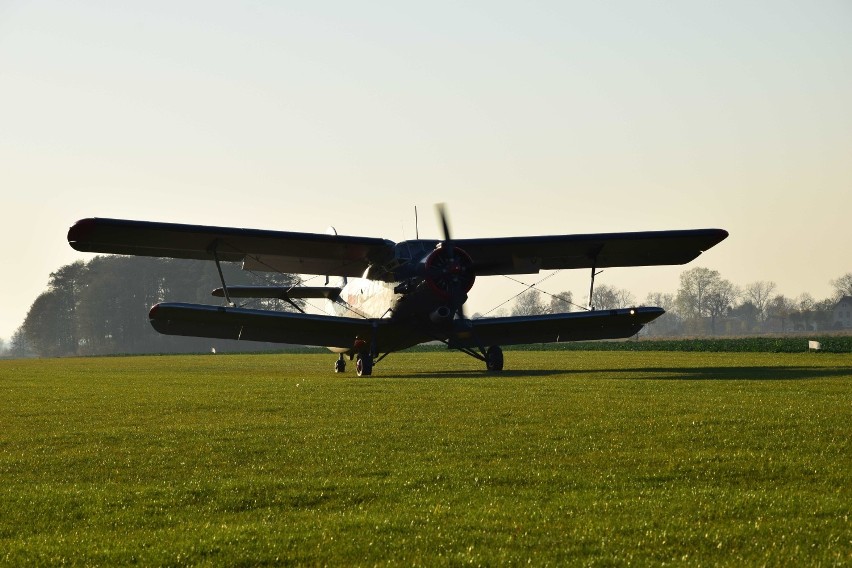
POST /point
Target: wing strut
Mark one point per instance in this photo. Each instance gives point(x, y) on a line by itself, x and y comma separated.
point(592, 285)
point(221, 276)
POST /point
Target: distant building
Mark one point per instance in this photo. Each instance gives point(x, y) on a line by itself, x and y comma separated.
point(842, 315)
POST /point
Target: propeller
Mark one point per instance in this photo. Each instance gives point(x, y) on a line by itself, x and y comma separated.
point(441, 210)
point(452, 267)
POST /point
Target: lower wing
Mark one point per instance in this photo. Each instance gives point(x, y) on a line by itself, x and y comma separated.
point(552, 328)
point(196, 320)
point(217, 322)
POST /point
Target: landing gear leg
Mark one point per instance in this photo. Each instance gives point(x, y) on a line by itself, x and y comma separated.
point(364, 364)
point(340, 365)
point(494, 358)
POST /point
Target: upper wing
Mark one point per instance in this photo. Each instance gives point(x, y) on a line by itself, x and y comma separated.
point(304, 253)
point(524, 255)
point(340, 255)
point(552, 328)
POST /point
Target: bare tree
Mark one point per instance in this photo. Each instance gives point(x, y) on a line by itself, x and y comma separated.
point(561, 303)
point(747, 316)
point(609, 297)
point(529, 304)
point(759, 293)
point(661, 300)
point(843, 285)
point(781, 307)
point(703, 293)
point(823, 312)
point(720, 299)
point(805, 304)
point(670, 322)
point(695, 286)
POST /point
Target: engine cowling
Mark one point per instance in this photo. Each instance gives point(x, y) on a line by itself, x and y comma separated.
point(449, 273)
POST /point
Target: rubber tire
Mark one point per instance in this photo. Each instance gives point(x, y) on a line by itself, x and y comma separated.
point(494, 359)
point(364, 365)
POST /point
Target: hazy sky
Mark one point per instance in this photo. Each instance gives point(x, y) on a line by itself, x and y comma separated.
point(524, 117)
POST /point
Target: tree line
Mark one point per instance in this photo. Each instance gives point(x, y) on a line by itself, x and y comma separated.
point(707, 304)
point(101, 306)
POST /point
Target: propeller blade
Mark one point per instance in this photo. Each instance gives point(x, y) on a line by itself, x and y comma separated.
point(447, 243)
point(441, 210)
point(457, 296)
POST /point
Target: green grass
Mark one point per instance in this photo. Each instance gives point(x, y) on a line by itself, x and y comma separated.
point(581, 458)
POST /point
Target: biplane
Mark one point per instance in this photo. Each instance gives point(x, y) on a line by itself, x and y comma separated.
point(391, 295)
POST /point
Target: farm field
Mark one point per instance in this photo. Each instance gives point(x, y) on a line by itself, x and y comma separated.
point(595, 458)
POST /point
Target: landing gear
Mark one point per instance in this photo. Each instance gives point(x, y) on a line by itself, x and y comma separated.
point(364, 364)
point(494, 358)
point(340, 365)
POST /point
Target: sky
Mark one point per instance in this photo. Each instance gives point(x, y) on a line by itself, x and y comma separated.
point(525, 118)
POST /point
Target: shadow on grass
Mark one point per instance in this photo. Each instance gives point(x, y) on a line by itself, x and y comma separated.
point(772, 373)
point(756, 373)
point(475, 374)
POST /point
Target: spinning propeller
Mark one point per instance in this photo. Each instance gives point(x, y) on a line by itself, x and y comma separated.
point(449, 269)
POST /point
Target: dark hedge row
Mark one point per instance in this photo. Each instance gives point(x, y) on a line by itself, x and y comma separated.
point(830, 344)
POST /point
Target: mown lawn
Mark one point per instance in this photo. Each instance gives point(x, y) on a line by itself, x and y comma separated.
point(565, 458)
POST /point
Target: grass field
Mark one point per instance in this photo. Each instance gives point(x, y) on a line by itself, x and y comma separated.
point(582, 458)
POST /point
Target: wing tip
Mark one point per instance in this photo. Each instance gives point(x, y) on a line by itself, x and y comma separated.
point(719, 235)
point(80, 232)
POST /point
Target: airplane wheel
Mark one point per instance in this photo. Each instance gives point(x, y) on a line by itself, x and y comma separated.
point(494, 359)
point(340, 366)
point(364, 365)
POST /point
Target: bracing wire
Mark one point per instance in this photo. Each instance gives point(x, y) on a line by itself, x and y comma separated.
point(533, 286)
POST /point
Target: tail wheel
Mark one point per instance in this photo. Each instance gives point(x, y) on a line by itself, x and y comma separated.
point(494, 359)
